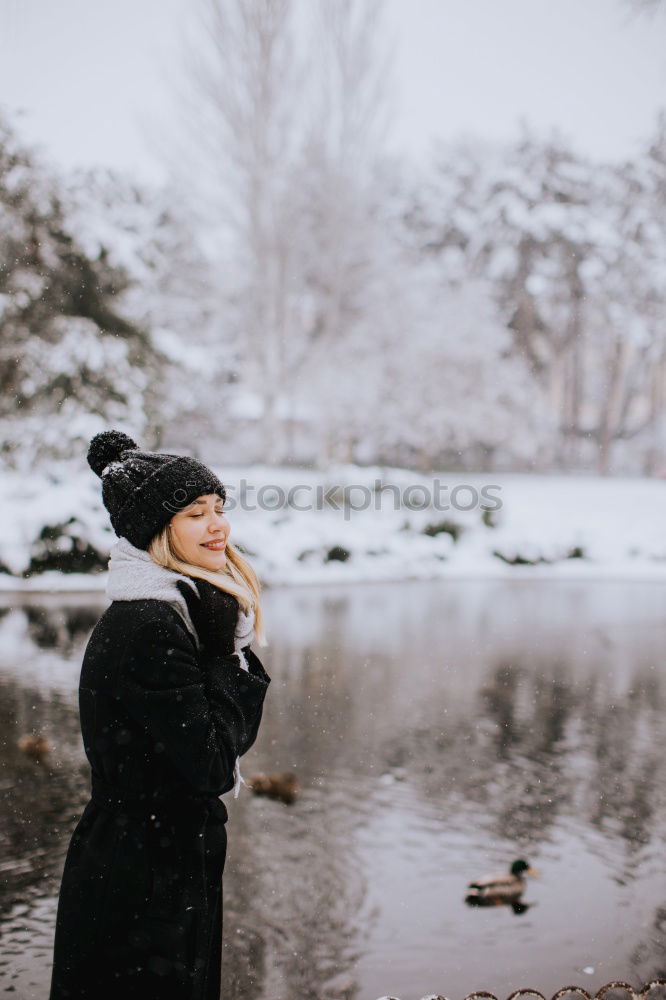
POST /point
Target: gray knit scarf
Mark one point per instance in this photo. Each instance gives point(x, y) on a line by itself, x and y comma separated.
point(134, 576)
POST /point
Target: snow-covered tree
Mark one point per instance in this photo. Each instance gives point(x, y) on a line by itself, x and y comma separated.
point(285, 108)
point(342, 185)
point(244, 101)
point(573, 251)
point(171, 293)
point(70, 361)
point(627, 292)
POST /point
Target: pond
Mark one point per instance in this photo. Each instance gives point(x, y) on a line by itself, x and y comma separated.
point(438, 731)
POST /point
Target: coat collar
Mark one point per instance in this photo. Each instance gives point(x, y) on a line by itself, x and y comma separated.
point(134, 576)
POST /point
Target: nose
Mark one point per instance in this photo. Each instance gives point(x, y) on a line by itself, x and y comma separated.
point(218, 524)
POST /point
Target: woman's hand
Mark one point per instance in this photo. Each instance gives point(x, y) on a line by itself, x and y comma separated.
point(214, 614)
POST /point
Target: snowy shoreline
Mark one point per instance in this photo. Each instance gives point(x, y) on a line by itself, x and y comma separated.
point(86, 584)
point(545, 528)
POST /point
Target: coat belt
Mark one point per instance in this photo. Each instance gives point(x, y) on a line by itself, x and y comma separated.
point(144, 805)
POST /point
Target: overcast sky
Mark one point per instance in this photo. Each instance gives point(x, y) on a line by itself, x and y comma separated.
point(89, 75)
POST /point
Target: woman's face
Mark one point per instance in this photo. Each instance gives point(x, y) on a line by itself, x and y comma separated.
point(199, 532)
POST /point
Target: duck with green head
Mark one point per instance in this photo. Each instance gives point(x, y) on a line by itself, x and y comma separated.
point(500, 888)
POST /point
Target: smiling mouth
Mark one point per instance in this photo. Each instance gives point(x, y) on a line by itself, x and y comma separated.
point(214, 546)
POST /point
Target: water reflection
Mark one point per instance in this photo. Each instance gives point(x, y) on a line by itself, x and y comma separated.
point(60, 628)
point(438, 731)
point(541, 744)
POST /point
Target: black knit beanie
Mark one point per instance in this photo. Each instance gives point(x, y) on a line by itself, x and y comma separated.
point(142, 490)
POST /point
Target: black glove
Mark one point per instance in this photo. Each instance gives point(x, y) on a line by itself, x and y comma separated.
point(255, 665)
point(214, 614)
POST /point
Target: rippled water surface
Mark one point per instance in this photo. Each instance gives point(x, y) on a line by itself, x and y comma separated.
point(438, 730)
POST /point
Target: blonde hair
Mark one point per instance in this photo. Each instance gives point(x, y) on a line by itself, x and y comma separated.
point(237, 578)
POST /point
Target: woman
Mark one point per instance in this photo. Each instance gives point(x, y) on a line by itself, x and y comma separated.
point(171, 696)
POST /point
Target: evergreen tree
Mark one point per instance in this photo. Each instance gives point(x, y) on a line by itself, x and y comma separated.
point(71, 361)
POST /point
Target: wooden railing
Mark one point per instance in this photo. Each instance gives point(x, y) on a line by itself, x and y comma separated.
point(643, 994)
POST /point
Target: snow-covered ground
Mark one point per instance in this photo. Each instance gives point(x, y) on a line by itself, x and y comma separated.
point(568, 526)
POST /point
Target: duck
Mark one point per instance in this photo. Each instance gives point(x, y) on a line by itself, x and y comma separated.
point(34, 747)
point(276, 786)
point(497, 889)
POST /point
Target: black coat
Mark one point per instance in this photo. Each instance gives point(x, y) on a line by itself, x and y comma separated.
point(140, 906)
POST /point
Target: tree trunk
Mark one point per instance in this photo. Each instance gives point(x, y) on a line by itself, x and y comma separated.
point(609, 408)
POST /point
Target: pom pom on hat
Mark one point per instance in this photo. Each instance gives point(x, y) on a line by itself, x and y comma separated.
point(108, 447)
